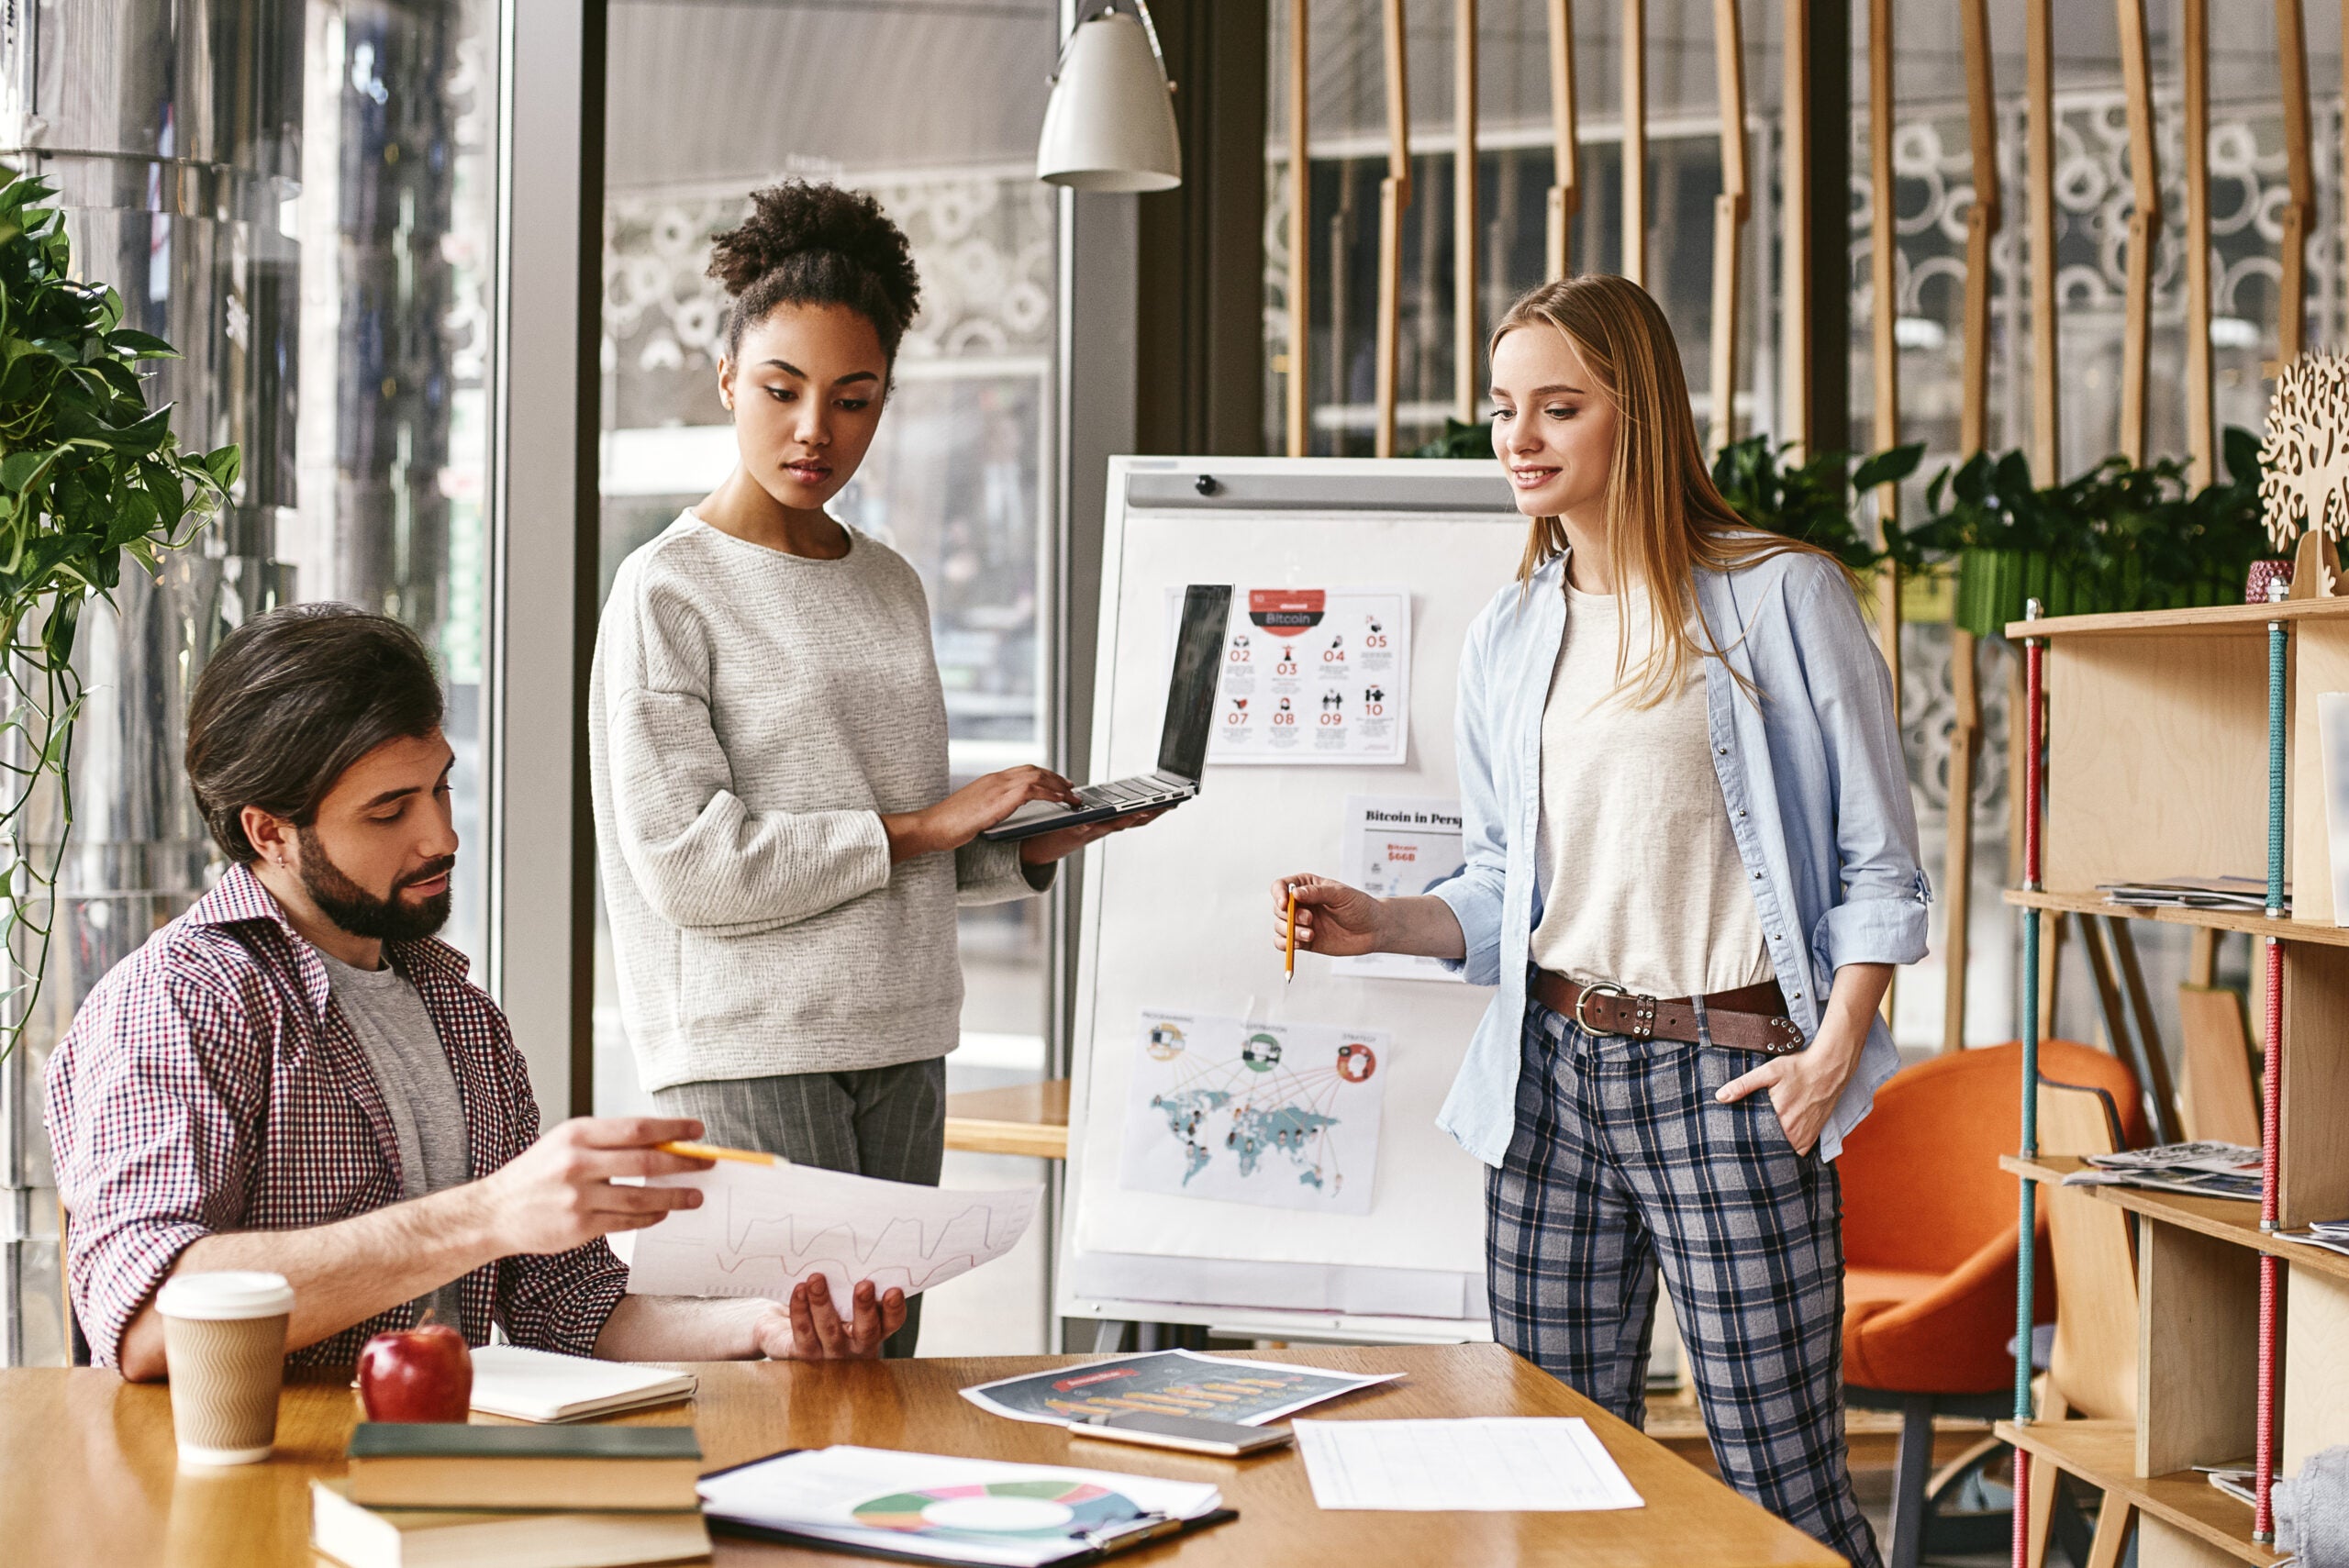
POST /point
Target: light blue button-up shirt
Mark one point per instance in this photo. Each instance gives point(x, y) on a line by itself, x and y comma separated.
point(1811, 775)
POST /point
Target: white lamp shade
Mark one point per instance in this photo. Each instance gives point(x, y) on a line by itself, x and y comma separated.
point(1111, 122)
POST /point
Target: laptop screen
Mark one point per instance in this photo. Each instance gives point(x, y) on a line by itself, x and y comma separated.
point(1190, 695)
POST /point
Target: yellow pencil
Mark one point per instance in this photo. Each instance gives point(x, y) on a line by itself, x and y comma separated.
point(1289, 971)
point(717, 1151)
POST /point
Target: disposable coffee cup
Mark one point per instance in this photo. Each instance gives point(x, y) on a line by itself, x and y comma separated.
point(224, 1341)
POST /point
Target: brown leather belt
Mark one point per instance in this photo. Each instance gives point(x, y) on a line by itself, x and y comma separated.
point(1752, 1018)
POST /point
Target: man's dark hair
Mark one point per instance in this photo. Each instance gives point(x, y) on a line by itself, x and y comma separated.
point(290, 700)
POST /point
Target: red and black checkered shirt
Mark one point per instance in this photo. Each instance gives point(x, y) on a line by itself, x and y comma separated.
point(211, 1084)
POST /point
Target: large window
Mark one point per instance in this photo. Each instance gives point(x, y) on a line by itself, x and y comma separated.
point(308, 217)
point(933, 107)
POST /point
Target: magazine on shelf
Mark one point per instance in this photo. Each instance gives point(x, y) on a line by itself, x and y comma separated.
point(2245, 894)
point(2201, 1170)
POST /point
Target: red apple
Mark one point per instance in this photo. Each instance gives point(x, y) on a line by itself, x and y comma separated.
point(424, 1373)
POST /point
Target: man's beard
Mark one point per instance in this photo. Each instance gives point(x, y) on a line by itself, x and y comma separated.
point(360, 912)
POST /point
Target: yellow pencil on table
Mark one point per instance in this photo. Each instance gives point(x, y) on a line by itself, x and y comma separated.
point(718, 1151)
point(1289, 971)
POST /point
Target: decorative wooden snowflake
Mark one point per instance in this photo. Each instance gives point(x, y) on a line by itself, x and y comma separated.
point(2304, 484)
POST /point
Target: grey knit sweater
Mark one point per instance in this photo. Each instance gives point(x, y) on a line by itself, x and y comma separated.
point(750, 715)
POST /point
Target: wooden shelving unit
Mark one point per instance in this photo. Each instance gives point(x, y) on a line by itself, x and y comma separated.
point(2160, 760)
point(2103, 1454)
point(2224, 1218)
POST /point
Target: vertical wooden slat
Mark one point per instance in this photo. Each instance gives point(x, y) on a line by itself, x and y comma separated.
point(1884, 251)
point(1635, 141)
point(2299, 210)
point(2144, 226)
point(2040, 189)
point(1957, 894)
point(1465, 345)
point(1394, 195)
point(1301, 233)
point(1730, 209)
point(2201, 436)
point(1794, 228)
point(1565, 179)
point(1982, 220)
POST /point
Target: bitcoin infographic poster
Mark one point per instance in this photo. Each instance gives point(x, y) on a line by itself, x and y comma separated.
point(1281, 1116)
point(1314, 675)
point(1398, 847)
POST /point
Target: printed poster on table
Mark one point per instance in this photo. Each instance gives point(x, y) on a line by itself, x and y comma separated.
point(1314, 675)
point(1398, 846)
point(1282, 1115)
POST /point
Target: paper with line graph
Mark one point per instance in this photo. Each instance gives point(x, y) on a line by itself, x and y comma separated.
point(762, 1228)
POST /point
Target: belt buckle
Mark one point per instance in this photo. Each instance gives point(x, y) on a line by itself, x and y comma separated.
point(1643, 1015)
point(1604, 988)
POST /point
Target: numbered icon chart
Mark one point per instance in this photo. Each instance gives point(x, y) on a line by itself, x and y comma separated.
point(1314, 675)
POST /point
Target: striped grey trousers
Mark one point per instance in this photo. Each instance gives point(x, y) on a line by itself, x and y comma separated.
point(884, 1122)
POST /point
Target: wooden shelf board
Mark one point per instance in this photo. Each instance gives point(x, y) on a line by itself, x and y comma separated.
point(2229, 1219)
point(2258, 925)
point(2104, 1454)
point(2208, 620)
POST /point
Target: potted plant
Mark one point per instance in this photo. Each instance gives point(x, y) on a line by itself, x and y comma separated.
point(1810, 501)
point(2120, 537)
point(90, 478)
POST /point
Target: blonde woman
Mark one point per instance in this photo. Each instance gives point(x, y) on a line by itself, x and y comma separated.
point(1692, 866)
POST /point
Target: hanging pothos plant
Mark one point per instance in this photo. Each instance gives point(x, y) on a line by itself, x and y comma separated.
point(90, 476)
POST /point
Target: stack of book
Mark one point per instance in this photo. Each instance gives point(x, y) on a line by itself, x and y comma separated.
point(454, 1495)
point(2205, 1170)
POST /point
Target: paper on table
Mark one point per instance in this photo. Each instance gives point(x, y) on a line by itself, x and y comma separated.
point(1489, 1464)
point(762, 1228)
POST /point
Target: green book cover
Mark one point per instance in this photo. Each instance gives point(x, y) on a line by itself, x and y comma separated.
point(452, 1440)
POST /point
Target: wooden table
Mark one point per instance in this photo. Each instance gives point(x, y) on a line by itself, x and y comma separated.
point(1026, 1118)
point(87, 1474)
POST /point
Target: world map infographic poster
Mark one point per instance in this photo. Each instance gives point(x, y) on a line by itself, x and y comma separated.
point(1281, 1116)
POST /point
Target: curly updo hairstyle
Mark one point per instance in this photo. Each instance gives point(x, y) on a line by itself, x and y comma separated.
point(810, 244)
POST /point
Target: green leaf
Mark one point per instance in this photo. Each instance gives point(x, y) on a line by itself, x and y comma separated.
point(140, 345)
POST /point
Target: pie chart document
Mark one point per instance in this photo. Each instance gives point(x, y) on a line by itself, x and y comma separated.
point(761, 1229)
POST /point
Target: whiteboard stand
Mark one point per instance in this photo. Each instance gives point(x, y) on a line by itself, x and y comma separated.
point(1175, 916)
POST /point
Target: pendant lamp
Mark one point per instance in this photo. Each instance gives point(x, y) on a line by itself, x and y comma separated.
point(1109, 125)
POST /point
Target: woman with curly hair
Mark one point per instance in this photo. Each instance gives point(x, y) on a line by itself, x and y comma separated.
point(782, 856)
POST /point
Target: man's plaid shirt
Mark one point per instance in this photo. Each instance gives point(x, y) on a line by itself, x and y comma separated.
point(211, 1084)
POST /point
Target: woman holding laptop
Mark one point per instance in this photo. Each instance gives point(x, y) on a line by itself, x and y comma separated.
point(1691, 868)
point(782, 856)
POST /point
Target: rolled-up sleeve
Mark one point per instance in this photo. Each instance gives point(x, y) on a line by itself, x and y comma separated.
point(154, 1102)
point(1881, 917)
point(560, 1301)
point(1474, 895)
point(986, 871)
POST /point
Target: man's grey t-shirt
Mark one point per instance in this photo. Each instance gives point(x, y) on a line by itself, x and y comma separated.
point(387, 1014)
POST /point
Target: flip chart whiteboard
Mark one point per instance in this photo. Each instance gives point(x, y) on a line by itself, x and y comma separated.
point(1176, 918)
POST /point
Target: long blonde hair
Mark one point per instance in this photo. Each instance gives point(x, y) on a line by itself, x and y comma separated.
point(1664, 519)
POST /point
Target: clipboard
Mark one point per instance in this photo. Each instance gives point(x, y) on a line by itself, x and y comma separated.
point(1146, 1533)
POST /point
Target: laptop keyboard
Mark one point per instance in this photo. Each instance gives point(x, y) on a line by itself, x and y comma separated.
point(1125, 792)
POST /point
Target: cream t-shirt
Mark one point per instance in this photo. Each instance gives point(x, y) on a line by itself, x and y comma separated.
point(1640, 880)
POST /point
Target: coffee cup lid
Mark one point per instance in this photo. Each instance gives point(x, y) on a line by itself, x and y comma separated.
point(225, 1293)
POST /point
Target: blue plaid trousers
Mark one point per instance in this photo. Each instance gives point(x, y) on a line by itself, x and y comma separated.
point(1621, 1159)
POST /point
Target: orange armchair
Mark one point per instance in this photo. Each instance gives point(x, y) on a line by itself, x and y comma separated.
point(1929, 1246)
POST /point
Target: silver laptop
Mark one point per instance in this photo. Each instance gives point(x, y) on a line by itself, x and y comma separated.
point(1183, 740)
